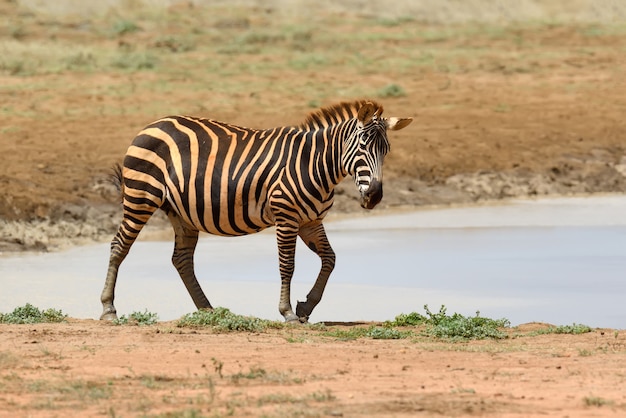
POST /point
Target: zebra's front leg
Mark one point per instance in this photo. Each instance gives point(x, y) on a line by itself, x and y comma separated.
point(315, 238)
point(286, 236)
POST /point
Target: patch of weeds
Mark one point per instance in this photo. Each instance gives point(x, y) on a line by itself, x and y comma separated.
point(72, 390)
point(307, 61)
point(222, 319)
point(441, 325)
point(314, 104)
point(13, 67)
point(392, 22)
point(502, 108)
point(134, 61)
point(283, 398)
point(17, 32)
point(175, 44)
point(8, 360)
point(80, 60)
point(463, 390)
point(252, 42)
point(596, 401)
point(573, 329)
point(404, 320)
point(88, 390)
point(259, 373)
point(29, 314)
point(152, 381)
point(138, 318)
point(391, 90)
point(386, 333)
point(277, 398)
point(122, 27)
point(375, 332)
point(461, 327)
point(252, 374)
point(323, 396)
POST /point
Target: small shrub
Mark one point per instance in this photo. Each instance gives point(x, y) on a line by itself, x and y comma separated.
point(122, 27)
point(410, 319)
point(222, 319)
point(458, 326)
point(253, 373)
point(385, 332)
point(174, 44)
point(441, 325)
point(29, 314)
point(134, 61)
point(596, 401)
point(391, 90)
point(574, 329)
point(138, 318)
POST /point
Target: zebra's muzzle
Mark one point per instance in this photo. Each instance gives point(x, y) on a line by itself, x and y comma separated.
point(372, 195)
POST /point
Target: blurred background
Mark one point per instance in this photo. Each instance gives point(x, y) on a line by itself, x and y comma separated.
point(510, 99)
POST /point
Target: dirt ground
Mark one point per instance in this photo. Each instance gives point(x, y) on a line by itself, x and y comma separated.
point(499, 111)
point(89, 368)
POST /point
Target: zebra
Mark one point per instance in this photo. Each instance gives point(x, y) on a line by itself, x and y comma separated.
point(229, 180)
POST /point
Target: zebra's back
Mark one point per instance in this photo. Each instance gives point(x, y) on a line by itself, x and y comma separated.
point(216, 176)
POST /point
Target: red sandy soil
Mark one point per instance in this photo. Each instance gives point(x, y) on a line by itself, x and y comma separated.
point(90, 368)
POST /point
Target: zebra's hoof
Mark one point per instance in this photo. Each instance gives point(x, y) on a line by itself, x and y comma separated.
point(303, 310)
point(291, 317)
point(108, 316)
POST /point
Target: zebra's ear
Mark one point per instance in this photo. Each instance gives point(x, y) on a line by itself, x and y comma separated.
point(366, 112)
point(395, 124)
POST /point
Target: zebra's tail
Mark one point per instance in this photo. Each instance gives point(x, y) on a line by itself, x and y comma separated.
point(116, 180)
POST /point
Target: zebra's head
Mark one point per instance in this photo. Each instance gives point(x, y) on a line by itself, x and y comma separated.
point(366, 150)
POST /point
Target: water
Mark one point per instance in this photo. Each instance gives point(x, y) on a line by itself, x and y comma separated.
point(560, 261)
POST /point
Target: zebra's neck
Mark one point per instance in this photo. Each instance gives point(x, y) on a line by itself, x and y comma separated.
point(327, 148)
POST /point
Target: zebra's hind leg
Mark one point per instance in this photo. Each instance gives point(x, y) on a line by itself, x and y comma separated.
point(120, 245)
point(186, 240)
point(315, 238)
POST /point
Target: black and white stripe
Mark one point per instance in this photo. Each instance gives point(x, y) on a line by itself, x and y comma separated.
point(228, 180)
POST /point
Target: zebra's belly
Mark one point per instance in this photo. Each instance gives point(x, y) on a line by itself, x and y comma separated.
point(238, 218)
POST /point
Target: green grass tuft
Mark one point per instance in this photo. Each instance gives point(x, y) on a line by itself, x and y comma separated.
point(385, 333)
point(574, 329)
point(222, 319)
point(411, 319)
point(441, 325)
point(29, 314)
point(138, 318)
point(134, 61)
point(122, 27)
point(596, 401)
point(391, 90)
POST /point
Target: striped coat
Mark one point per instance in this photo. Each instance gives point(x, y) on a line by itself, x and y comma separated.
point(228, 180)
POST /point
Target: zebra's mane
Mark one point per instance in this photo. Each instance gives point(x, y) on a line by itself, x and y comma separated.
point(332, 115)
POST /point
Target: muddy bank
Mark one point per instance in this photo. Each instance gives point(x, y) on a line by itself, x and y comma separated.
point(76, 224)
